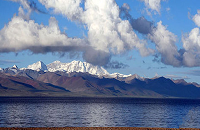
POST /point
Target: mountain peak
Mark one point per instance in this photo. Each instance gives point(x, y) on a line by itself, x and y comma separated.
point(76, 66)
point(14, 67)
point(38, 66)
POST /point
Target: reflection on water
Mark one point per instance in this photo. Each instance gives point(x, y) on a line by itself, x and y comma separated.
point(192, 118)
point(94, 112)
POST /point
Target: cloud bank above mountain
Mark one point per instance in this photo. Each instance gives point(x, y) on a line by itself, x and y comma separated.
point(111, 30)
point(108, 34)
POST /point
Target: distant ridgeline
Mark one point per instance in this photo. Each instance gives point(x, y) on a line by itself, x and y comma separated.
point(84, 79)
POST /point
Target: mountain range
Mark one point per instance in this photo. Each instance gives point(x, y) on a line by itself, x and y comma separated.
point(84, 79)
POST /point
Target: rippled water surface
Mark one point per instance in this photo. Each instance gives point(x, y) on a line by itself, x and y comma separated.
point(94, 112)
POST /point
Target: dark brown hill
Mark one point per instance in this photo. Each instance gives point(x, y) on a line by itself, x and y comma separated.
point(23, 86)
point(84, 84)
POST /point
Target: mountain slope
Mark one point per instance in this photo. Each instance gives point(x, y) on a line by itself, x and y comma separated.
point(89, 84)
point(168, 88)
point(38, 66)
point(83, 79)
point(73, 84)
point(22, 86)
point(84, 84)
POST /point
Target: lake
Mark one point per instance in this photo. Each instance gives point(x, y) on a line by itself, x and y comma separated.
point(99, 112)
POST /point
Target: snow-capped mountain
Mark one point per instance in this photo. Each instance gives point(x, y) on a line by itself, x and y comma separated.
point(14, 67)
point(76, 66)
point(38, 66)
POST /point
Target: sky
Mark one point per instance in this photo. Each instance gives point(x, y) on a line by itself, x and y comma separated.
point(145, 37)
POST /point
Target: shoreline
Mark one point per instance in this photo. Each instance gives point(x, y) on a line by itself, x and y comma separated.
point(94, 128)
point(98, 97)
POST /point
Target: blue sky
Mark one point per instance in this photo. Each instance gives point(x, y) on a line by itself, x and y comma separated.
point(141, 37)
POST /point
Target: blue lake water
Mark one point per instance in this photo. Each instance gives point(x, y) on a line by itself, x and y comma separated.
point(96, 112)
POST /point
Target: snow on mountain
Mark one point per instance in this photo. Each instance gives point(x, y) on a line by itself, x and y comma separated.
point(76, 66)
point(114, 75)
point(137, 77)
point(14, 67)
point(22, 69)
point(123, 77)
point(38, 66)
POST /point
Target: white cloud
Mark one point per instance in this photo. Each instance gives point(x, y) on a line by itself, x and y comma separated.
point(154, 5)
point(196, 18)
point(141, 24)
point(25, 5)
point(21, 34)
point(107, 31)
point(191, 44)
point(108, 34)
point(69, 8)
point(22, 14)
point(165, 44)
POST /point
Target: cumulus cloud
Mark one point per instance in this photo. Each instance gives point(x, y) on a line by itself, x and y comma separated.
point(20, 35)
point(140, 24)
point(153, 5)
point(107, 35)
point(29, 6)
point(196, 18)
point(165, 44)
point(69, 8)
point(107, 31)
point(164, 40)
point(191, 44)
